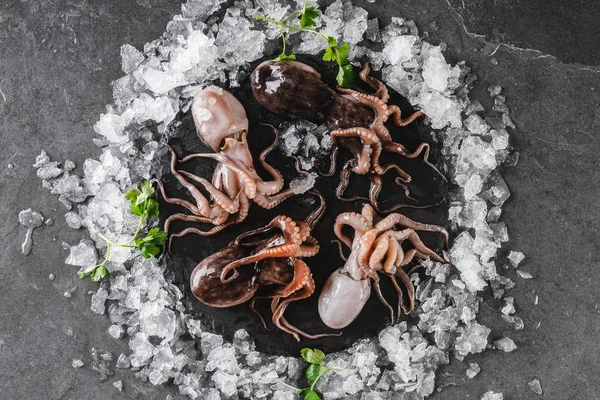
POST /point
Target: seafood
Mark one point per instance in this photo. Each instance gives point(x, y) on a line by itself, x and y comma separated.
point(222, 124)
point(355, 119)
point(375, 249)
point(262, 264)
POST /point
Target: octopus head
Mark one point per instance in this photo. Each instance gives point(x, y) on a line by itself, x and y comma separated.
point(342, 299)
point(219, 117)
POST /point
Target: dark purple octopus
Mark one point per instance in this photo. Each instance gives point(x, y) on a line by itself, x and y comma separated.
point(355, 119)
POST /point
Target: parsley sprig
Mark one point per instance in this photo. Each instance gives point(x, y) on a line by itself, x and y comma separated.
point(314, 371)
point(334, 52)
point(144, 206)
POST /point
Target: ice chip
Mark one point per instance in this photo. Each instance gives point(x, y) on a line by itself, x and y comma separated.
point(83, 255)
point(515, 258)
point(492, 396)
point(73, 220)
point(473, 370)
point(535, 386)
point(505, 344)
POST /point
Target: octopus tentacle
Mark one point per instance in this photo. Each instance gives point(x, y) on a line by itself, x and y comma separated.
point(285, 250)
point(380, 250)
point(274, 186)
point(400, 306)
point(381, 298)
point(241, 216)
point(332, 162)
point(422, 148)
point(410, 288)
point(269, 202)
point(393, 219)
point(412, 236)
point(249, 182)
point(180, 202)
point(355, 220)
point(340, 250)
point(376, 84)
point(227, 203)
point(315, 216)
point(190, 218)
point(344, 182)
point(397, 115)
point(391, 256)
point(366, 243)
point(254, 310)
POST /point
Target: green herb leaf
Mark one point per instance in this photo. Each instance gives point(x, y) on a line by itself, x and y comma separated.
point(99, 273)
point(314, 371)
point(149, 250)
point(152, 207)
point(133, 195)
point(149, 245)
point(308, 17)
point(331, 41)
point(329, 54)
point(311, 395)
point(342, 53)
point(345, 75)
point(313, 356)
point(285, 57)
point(96, 272)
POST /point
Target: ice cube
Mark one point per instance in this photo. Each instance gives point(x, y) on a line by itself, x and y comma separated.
point(494, 90)
point(123, 362)
point(505, 344)
point(73, 220)
point(130, 58)
point(41, 159)
point(435, 69)
point(77, 363)
point(226, 383)
point(535, 386)
point(524, 274)
point(303, 184)
point(515, 258)
point(118, 385)
point(473, 370)
point(399, 49)
point(83, 255)
point(115, 331)
point(492, 396)
point(49, 171)
point(98, 301)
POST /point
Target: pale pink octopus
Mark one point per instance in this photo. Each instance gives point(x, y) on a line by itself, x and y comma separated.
point(222, 124)
point(375, 249)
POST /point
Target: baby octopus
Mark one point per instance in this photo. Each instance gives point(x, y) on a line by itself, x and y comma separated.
point(222, 124)
point(262, 264)
point(376, 248)
point(355, 119)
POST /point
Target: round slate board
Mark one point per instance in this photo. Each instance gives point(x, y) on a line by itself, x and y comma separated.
point(427, 187)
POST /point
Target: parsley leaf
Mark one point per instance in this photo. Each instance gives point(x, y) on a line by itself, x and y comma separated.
point(96, 272)
point(331, 42)
point(312, 356)
point(329, 54)
point(311, 395)
point(314, 371)
point(149, 245)
point(343, 53)
point(308, 17)
point(285, 57)
point(345, 75)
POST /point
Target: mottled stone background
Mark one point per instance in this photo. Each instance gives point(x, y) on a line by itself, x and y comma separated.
point(58, 57)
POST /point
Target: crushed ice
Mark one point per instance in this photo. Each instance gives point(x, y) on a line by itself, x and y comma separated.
point(146, 309)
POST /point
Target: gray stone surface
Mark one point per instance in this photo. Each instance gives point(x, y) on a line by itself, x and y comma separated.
point(57, 60)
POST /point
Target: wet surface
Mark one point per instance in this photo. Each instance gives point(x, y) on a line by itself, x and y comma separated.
point(426, 187)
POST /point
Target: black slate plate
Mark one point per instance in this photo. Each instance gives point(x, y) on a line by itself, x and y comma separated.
point(427, 188)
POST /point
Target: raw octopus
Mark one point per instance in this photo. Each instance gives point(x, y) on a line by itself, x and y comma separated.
point(222, 124)
point(355, 119)
point(255, 266)
point(375, 249)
